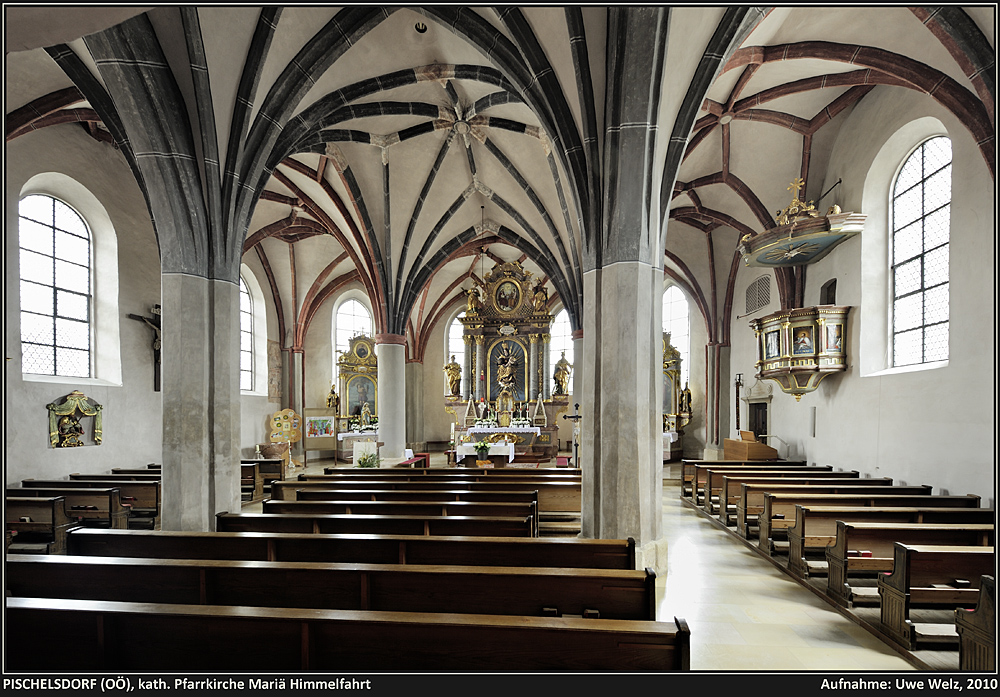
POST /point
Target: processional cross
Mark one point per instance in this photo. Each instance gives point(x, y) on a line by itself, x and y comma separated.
point(154, 324)
point(576, 445)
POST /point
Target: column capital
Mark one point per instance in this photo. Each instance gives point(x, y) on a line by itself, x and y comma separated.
point(578, 334)
point(467, 338)
point(480, 339)
point(390, 339)
point(546, 338)
point(533, 338)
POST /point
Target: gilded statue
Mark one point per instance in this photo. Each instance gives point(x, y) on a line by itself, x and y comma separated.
point(366, 415)
point(474, 304)
point(684, 402)
point(454, 372)
point(333, 400)
point(561, 375)
point(70, 432)
point(506, 363)
point(540, 298)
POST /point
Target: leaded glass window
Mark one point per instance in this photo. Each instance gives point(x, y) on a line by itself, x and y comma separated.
point(921, 223)
point(676, 320)
point(55, 279)
point(246, 338)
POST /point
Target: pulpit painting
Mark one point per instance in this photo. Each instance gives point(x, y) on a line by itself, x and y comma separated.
point(360, 390)
point(507, 368)
point(834, 337)
point(771, 349)
point(803, 340)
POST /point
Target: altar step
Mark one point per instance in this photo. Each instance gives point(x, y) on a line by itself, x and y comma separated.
point(554, 524)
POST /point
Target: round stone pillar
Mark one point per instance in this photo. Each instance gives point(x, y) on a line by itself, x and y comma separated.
point(391, 352)
point(577, 384)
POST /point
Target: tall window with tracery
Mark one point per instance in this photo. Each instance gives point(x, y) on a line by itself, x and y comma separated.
point(246, 338)
point(560, 339)
point(921, 225)
point(55, 279)
point(352, 319)
point(676, 320)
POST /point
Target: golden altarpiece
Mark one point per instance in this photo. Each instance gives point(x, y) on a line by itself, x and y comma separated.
point(507, 392)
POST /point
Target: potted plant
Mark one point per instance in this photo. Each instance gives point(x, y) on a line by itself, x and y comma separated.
point(482, 449)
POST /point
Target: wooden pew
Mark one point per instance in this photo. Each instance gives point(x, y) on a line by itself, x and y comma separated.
point(930, 576)
point(93, 507)
point(726, 487)
point(37, 524)
point(977, 630)
point(699, 473)
point(251, 482)
point(510, 496)
point(750, 509)
point(410, 508)
point(150, 637)
point(484, 590)
point(850, 552)
point(816, 527)
point(688, 469)
point(141, 476)
point(143, 495)
point(148, 469)
point(271, 469)
point(370, 549)
point(415, 476)
point(376, 524)
point(552, 496)
point(431, 471)
point(780, 506)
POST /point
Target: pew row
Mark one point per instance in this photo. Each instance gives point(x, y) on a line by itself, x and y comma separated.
point(99, 507)
point(930, 576)
point(688, 469)
point(484, 590)
point(502, 509)
point(154, 637)
point(431, 471)
point(780, 507)
point(869, 548)
point(815, 528)
point(144, 496)
point(753, 497)
point(141, 476)
point(37, 524)
point(977, 630)
point(370, 549)
point(377, 524)
point(727, 487)
point(703, 472)
point(499, 496)
point(552, 496)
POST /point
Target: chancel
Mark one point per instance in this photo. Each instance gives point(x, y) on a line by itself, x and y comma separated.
point(627, 249)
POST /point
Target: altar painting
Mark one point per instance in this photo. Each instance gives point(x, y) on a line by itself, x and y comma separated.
point(361, 389)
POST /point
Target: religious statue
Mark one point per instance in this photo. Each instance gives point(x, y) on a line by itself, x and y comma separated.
point(506, 377)
point(333, 400)
point(366, 415)
point(541, 297)
point(561, 375)
point(473, 301)
point(70, 432)
point(684, 403)
point(454, 371)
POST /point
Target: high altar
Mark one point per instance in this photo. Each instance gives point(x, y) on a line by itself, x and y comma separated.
point(507, 390)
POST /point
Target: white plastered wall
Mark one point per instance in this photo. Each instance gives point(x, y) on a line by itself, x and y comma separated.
point(256, 407)
point(935, 426)
point(93, 178)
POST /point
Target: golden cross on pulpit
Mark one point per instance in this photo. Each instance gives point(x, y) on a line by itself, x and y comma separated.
point(796, 184)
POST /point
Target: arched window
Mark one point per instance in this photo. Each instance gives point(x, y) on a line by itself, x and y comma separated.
point(676, 320)
point(56, 298)
point(246, 338)
point(352, 319)
point(456, 345)
point(561, 333)
point(921, 223)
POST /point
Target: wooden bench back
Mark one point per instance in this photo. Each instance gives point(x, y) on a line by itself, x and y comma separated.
point(97, 506)
point(432, 471)
point(201, 638)
point(376, 524)
point(143, 495)
point(484, 590)
point(46, 524)
point(334, 494)
point(977, 630)
point(371, 549)
point(140, 476)
point(552, 496)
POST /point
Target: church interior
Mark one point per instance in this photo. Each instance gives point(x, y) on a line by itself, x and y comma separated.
point(612, 241)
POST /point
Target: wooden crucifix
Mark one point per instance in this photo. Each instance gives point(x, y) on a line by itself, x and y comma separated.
point(154, 324)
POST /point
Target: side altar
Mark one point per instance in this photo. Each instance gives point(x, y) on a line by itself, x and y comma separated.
point(504, 392)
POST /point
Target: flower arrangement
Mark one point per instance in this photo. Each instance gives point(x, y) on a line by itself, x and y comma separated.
point(517, 423)
point(369, 460)
point(481, 446)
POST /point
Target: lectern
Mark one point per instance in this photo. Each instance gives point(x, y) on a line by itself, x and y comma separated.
point(747, 448)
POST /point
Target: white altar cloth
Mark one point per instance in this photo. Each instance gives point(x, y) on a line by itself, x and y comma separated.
point(510, 429)
point(354, 434)
point(496, 449)
point(670, 437)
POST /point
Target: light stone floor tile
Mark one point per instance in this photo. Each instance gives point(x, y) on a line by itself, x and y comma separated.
point(731, 657)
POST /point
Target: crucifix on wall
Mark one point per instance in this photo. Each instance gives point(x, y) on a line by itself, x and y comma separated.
point(154, 324)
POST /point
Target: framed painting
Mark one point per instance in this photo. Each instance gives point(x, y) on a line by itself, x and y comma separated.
point(361, 389)
point(802, 340)
point(835, 338)
point(772, 345)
